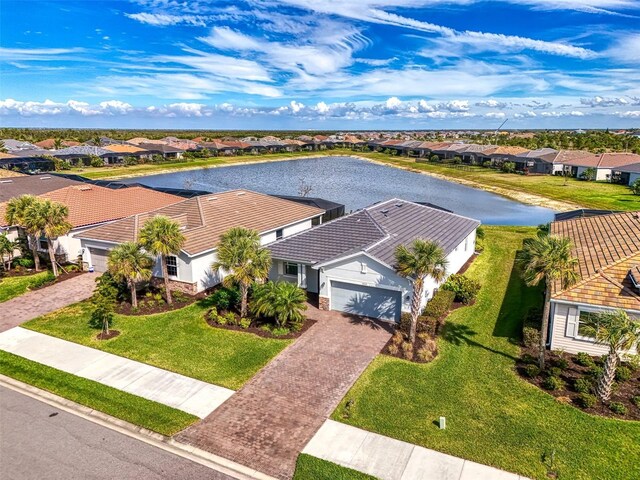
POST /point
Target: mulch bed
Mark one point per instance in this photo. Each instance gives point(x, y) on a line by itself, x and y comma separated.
point(110, 335)
point(622, 393)
point(151, 306)
point(256, 327)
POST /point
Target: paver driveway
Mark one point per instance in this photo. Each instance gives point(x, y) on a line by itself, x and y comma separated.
point(32, 304)
point(268, 422)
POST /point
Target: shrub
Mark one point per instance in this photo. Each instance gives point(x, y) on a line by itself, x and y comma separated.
point(398, 338)
point(594, 371)
point(636, 400)
point(552, 383)
point(440, 304)
point(582, 385)
point(530, 337)
point(179, 296)
point(246, 323)
point(225, 298)
point(528, 358)
point(130, 161)
point(586, 400)
point(407, 350)
point(635, 187)
point(230, 318)
point(584, 359)
point(561, 363)
point(508, 167)
point(25, 262)
point(623, 374)
point(531, 370)
point(96, 162)
point(392, 349)
point(486, 164)
point(618, 408)
point(465, 289)
point(554, 371)
point(425, 354)
point(405, 322)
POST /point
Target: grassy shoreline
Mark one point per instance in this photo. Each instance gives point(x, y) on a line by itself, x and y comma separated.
point(544, 191)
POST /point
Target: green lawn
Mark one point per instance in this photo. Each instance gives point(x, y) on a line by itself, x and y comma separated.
point(312, 468)
point(11, 287)
point(180, 341)
point(493, 416)
point(131, 408)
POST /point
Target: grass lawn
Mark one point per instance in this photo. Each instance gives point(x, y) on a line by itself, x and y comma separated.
point(598, 195)
point(493, 416)
point(312, 468)
point(179, 341)
point(11, 287)
point(131, 408)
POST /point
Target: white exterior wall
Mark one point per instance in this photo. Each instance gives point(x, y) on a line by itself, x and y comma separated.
point(564, 330)
point(602, 174)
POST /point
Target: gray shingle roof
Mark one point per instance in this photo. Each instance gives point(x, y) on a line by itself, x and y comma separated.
point(376, 230)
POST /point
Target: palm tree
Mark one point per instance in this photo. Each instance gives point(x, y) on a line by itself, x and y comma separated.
point(547, 258)
point(421, 260)
point(57, 143)
point(283, 301)
point(620, 333)
point(130, 263)
point(19, 212)
point(6, 251)
point(244, 261)
point(161, 237)
point(52, 218)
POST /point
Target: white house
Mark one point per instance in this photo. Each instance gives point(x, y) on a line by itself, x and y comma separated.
point(203, 220)
point(349, 262)
point(608, 251)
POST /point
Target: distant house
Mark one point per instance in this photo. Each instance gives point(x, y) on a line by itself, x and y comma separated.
point(15, 145)
point(604, 164)
point(167, 151)
point(534, 161)
point(608, 251)
point(124, 150)
point(50, 143)
point(627, 174)
point(82, 155)
point(203, 219)
point(349, 262)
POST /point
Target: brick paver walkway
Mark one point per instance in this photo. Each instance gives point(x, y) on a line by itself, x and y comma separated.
point(269, 421)
point(32, 304)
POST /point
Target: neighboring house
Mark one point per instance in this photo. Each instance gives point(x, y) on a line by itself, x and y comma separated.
point(533, 161)
point(167, 151)
point(32, 185)
point(91, 205)
point(50, 143)
point(605, 164)
point(82, 154)
point(124, 150)
point(349, 262)
point(203, 220)
point(626, 175)
point(13, 146)
point(608, 251)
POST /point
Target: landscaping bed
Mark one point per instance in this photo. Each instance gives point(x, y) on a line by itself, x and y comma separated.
point(153, 301)
point(258, 327)
point(577, 375)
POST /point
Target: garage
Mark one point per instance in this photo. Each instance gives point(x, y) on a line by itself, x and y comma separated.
point(366, 301)
point(99, 259)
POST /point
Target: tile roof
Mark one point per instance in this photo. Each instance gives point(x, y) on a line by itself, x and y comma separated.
point(123, 148)
point(32, 185)
point(605, 245)
point(4, 173)
point(7, 155)
point(91, 204)
point(632, 168)
point(505, 150)
point(82, 150)
point(50, 143)
point(207, 217)
point(564, 156)
point(538, 153)
point(11, 144)
point(377, 230)
point(160, 147)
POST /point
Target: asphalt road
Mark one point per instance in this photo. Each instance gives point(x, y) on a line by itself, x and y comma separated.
point(38, 441)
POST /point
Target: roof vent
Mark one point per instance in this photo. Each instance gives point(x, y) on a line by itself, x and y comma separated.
point(384, 212)
point(45, 178)
point(211, 198)
point(399, 205)
point(634, 276)
point(6, 181)
point(240, 193)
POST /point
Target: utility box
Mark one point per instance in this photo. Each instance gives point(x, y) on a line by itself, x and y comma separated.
point(442, 423)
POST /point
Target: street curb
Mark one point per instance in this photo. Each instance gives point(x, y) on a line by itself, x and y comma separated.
point(152, 438)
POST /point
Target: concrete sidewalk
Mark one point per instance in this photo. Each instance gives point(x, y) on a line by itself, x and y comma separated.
point(390, 459)
point(171, 389)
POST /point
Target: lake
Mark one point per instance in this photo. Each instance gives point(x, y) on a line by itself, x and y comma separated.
point(356, 184)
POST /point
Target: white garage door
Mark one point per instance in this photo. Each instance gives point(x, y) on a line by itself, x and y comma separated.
point(99, 259)
point(366, 301)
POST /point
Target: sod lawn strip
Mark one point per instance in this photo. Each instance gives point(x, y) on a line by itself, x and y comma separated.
point(11, 287)
point(312, 468)
point(179, 341)
point(131, 408)
point(493, 416)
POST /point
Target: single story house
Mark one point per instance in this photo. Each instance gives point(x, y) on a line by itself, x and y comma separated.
point(124, 150)
point(349, 262)
point(605, 164)
point(608, 251)
point(627, 174)
point(534, 161)
point(203, 220)
point(167, 151)
point(92, 205)
point(82, 154)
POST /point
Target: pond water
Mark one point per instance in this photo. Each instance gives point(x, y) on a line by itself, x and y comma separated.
point(355, 183)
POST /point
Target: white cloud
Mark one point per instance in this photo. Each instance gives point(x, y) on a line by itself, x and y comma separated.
point(492, 104)
point(164, 20)
point(598, 101)
point(322, 108)
point(454, 106)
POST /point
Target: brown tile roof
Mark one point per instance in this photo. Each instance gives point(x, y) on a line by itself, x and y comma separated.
point(32, 185)
point(122, 148)
point(49, 143)
point(91, 204)
point(7, 155)
point(564, 156)
point(505, 150)
point(607, 247)
point(206, 218)
point(4, 173)
point(139, 140)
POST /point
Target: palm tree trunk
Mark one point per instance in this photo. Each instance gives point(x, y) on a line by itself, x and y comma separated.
point(545, 326)
point(52, 257)
point(244, 292)
point(418, 287)
point(34, 251)
point(608, 375)
point(165, 276)
point(134, 295)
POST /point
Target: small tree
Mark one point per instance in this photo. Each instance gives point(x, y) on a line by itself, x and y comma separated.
point(423, 259)
point(53, 220)
point(243, 259)
point(589, 174)
point(635, 187)
point(6, 251)
point(104, 297)
point(128, 262)
point(283, 301)
point(620, 333)
point(20, 212)
point(508, 167)
point(161, 237)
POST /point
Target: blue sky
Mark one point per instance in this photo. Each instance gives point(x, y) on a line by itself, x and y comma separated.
point(335, 64)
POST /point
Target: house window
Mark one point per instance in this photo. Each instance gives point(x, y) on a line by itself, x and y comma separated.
point(291, 269)
point(172, 266)
point(279, 234)
point(584, 317)
point(43, 243)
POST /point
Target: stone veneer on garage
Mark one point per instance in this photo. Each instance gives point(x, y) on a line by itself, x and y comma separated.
point(323, 303)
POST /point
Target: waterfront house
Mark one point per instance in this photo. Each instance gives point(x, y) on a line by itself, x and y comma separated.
point(349, 262)
point(203, 220)
point(608, 251)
